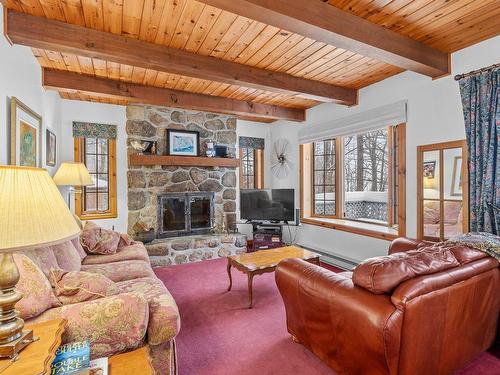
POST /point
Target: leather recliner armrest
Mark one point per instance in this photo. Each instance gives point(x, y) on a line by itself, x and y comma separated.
point(326, 312)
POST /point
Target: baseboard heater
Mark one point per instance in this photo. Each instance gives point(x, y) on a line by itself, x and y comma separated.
point(333, 259)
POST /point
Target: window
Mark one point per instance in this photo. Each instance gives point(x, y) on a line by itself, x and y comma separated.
point(442, 190)
point(356, 179)
point(252, 169)
point(324, 178)
point(97, 201)
point(366, 172)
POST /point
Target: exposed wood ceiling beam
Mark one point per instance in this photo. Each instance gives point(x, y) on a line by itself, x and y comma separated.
point(328, 24)
point(254, 119)
point(58, 36)
point(67, 81)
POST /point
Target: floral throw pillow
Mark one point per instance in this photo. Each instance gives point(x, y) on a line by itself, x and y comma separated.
point(97, 240)
point(35, 287)
point(78, 286)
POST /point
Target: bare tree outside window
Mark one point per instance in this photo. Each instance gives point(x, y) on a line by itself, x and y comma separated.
point(324, 177)
point(252, 168)
point(96, 197)
point(97, 201)
point(366, 175)
point(357, 178)
point(248, 168)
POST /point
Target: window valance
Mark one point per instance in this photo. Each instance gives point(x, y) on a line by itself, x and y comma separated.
point(93, 130)
point(387, 115)
point(251, 142)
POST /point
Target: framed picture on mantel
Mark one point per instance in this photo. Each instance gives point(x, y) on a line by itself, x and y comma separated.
point(183, 142)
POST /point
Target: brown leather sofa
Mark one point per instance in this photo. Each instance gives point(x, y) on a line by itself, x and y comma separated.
point(424, 309)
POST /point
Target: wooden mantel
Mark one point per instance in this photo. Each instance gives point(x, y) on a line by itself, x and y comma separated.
point(183, 161)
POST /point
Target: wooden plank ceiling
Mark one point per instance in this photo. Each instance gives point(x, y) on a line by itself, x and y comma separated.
point(446, 25)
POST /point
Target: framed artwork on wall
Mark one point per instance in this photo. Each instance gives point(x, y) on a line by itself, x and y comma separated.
point(429, 169)
point(456, 179)
point(183, 142)
point(25, 135)
point(50, 148)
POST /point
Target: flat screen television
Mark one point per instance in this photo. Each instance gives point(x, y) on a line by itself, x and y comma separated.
point(267, 204)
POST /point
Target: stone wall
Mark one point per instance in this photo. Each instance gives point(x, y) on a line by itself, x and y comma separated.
point(146, 182)
point(187, 249)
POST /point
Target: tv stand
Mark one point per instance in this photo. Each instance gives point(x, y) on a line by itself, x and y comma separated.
point(266, 236)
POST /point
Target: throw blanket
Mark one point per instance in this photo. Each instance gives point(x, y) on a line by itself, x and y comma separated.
point(482, 241)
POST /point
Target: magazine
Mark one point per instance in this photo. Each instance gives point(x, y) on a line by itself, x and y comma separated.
point(71, 358)
point(99, 366)
point(74, 358)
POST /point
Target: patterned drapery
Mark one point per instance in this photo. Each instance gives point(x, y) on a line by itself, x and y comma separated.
point(93, 130)
point(251, 142)
point(480, 100)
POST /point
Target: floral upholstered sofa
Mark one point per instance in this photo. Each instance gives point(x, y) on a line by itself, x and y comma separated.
point(114, 300)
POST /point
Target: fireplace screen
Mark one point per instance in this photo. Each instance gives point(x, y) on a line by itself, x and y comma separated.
point(181, 214)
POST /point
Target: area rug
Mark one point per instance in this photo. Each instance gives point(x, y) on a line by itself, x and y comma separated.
point(221, 336)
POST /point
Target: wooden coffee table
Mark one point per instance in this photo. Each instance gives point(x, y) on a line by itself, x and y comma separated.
point(263, 261)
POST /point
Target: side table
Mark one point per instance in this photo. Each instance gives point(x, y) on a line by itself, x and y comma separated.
point(131, 363)
point(37, 357)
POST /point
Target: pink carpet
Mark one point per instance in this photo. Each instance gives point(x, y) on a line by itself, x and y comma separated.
point(220, 336)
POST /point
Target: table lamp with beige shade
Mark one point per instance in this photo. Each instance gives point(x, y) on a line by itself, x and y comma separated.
point(430, 183)
point(74, 175)
point(32, 214)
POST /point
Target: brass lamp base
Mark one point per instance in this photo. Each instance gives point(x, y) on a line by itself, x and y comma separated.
point(13, 348)
point(12, 337)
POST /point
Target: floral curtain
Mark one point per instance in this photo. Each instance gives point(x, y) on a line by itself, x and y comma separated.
point(251, 142)
point(480, 100)
point(93, 130)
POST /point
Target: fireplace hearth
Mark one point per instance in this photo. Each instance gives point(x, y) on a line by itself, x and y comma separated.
point(184, 214)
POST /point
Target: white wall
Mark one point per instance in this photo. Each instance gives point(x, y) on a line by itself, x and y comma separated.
point(103, 114)
point(20, 76)
point(434, 115)
point(257, 130)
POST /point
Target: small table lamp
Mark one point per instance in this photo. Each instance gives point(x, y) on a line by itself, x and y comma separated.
point(430, 183)
point(72, 174)
point(32, 214)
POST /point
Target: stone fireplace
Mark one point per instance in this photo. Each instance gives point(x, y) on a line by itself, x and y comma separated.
point(150, 185)
point(182, 214)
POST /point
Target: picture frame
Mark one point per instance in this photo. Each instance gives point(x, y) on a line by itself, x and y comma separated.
point(429, 169)
point(183, 142)
point(25, 135)
point(50, 148)
point(456, 178)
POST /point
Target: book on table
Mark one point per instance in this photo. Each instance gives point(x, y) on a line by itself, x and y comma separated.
point(74, 358)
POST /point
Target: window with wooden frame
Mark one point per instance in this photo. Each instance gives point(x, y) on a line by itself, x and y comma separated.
point(356, 182)
point(97, 201)
point(324, 180)
point(442, 195)
point(252, 168)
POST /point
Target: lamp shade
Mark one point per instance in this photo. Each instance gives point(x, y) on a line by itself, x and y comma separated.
point(429, 183)
point(32, 210)
point(73, 174)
